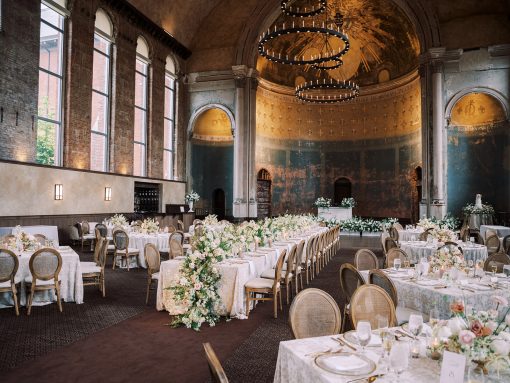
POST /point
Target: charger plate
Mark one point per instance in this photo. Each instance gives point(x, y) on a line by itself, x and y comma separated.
point(346, 363)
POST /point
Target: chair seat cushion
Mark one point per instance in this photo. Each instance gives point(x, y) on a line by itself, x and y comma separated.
point(269, 274)
point(164, 250)
point(7, 284)
point(259, 283)
point(403, 314)
point(39, 282)
point(284, 268)
point(131, 250)
point(155, 275)
point(89, 267)
point(89, 236)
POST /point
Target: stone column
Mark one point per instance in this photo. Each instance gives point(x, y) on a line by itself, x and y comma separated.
point(239, 208)
point(252, 140)
point(438, 206)
point(425, 152)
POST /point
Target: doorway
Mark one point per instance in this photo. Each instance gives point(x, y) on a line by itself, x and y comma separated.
point(343, 189)
point(263, 194)
point(218, 203)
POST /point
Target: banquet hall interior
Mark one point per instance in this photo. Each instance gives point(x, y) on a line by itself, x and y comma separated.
point(255, 191)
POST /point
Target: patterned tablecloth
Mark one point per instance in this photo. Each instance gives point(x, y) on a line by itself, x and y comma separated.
point(71, 288)
point(296, 364)
point(410, 234)
point(502, 231)
point(421, 249)
point(423, 296)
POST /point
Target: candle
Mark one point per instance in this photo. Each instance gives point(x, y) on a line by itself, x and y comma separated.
point(415, 349)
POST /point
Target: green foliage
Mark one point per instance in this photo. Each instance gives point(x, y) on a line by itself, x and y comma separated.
point(45, 143)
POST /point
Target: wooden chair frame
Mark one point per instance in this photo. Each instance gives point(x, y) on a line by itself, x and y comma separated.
point(393, 295)
point(345, 268)
point(369, 254)
point(151, 270)
point(392, 320)
point(217, 373)
point(97, 278)
point(11, 278)
point(122, 253)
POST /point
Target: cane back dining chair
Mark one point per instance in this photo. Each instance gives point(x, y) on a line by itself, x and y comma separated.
point(153, 261)
point(122, 249)
point(394, 254)
point(93, 272)
point(314, 313)
point(286, 273)
point(369, 303)
point(45, 265)
point(9, 264)
point(497, 260)
point(365, 259)
point(350, 280)
point(492, 243)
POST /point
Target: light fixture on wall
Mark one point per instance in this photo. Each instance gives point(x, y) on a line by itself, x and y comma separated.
point(59, 192)
point(108, 193)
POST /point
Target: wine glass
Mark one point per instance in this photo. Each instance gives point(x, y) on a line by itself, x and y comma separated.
point(399, 358)
point(397, 263)
point(364, 334)
point(506, 270)
point(434, 317)
point(415, 324)
point(494, 268)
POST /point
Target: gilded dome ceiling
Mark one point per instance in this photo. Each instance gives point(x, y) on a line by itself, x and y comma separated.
point(383, 45)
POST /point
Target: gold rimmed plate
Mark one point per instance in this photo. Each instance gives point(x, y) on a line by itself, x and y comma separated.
point(346, 363)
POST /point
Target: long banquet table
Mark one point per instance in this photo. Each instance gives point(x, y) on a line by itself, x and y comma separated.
point(417, 250)
point(235, 272)
point(71, 288)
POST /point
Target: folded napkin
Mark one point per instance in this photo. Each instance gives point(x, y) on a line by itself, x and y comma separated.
point(344, 362)
point(375, 340)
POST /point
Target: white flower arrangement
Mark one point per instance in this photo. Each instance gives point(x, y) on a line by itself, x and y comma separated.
point(22, 241)
point(116, 220)
point(443, 235)
point(428, 223)
point(149, 226)
point(191, 197)
point(211, 220)
point(348, 202)
point(323, 202)
point(446, 258)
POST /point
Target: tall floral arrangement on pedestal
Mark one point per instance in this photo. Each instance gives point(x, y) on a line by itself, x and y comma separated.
point(446, 258)
point(322, 202)
point(192, 196)
point(116, 220)
point(348, 202)
point(149, 226)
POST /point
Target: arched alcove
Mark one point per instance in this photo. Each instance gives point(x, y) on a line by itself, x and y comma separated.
point(212, 158)
point(477, 127)
point(263, 193)
point(342, 189)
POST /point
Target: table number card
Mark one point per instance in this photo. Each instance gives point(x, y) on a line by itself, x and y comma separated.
point(452, 369)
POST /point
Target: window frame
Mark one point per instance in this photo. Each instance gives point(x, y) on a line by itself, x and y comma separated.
point(145, 110)
point(171, 119)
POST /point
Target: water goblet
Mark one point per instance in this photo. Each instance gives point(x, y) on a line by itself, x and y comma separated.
point(399, 358)
point(415, 324)
point(364, 334)
point(397, 263)
point(434, 317)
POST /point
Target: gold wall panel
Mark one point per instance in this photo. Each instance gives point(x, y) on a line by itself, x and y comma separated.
point(213, 125)
point(390, 114)
point(477, 109)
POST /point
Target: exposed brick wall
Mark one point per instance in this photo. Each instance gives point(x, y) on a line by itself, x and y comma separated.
point(19, 61)
point(19, 49)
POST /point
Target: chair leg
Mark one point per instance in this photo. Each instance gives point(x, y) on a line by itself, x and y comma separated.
point(247, 303)
point(301, 278)
point(114, 260)
point(148, 289)
point(59, 302)
point(287, 292)
point(15, 299)
point(32, 291)
point(275, 306)
point(103, 286)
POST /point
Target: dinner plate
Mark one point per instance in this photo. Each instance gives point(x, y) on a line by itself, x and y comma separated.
point(346, 363)
point(352, 337)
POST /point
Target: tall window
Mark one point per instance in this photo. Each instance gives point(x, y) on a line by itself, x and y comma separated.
point(169, 141)
point(51, 78)
point(141, 85)
point(101, 86)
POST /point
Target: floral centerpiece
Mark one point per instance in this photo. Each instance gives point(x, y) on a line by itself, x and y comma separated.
point(117, 220)
point(447, 257)
point(371, 225)
point(191, 198)
point(348, 202)
point(149, 226)
point(428, 223)
point(479, 335)
point(443, 235)
point(473, 209)
point(211, 220)
point(322, 202)
point(22, 241)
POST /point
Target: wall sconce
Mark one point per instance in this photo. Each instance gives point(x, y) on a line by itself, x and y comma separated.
point(59, 192)
point(108, 193)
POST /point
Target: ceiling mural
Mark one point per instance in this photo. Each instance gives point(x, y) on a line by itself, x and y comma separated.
point(213, 125)
point(381, 37)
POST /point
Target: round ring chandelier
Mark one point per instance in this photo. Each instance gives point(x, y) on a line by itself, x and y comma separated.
point(296, 12)
point(329, 31)
point(319, 91)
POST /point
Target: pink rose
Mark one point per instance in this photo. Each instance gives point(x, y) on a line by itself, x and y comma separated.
point(466, 337)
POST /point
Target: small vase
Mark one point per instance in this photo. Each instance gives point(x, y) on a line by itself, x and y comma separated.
point(190, 204)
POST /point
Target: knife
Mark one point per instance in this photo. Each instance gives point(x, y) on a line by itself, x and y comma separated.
point(370, 379)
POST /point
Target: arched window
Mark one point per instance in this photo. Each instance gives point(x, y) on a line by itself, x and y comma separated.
point(170, 102)
point(343, 189)
point(101, 88)
point(51, 82)
point(141, 107)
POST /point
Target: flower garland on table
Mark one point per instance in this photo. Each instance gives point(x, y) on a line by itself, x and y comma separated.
point(322, 202)
point(22, 240)
point(478, 335)
point(358, 224)
point(446, 258)
point(117, 220)
point(191, 197)
point(447, 222)
point(149, 226)
point(443, 235)
point(332, 222)
point(348, 202)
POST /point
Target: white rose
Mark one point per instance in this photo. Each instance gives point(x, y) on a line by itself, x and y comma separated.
point(455, 325)
point(444, 332)
point(500, 347)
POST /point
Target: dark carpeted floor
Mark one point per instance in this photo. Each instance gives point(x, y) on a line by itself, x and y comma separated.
point(118, 338)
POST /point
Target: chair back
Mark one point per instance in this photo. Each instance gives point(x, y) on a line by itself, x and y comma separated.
point(369, 303)
point(479, 238)
point(278, 269)
point(464, 233)
point(217, 373)
point(85, 227)
point(152, 258)
point(120, 240)
point(498, 259)
point(350, 280)
point(309, 249)
point(196, 222)
point(393, 233)
point(365, 259)
point(390, 244)
point(45, 264)
point(101, 259)
point(41, 238)
point(180, 225)
point(379, 278)
point(423, 236)
point(451, 246)
point(176, 249)
point(199, 229)
point(7, 238)
point(9, 264)
point(394, 254)
point(100, 244)
point(492, 243)
point(506, 244)
point(299, 254)
point(177, 236)
point(103, 230)
point(384, 235)
point(398, 226)
point(291, 262)
point(171, 228)
point(314, 313)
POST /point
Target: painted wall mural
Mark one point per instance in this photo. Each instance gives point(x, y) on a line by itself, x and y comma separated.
point(374, 141)
point(478, 153)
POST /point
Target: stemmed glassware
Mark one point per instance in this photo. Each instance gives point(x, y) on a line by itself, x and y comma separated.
point(399, 358)
point(397, 263)
point(434, 317)
point(364, 334)
point(415, 324)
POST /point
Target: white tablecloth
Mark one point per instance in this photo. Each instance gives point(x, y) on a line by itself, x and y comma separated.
point(139, 241)
point(501, 230)
point(71, 289)
point(421, 249)
point(296, 365)
point(51, 232)
point(410, 234)
point(424, 298)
